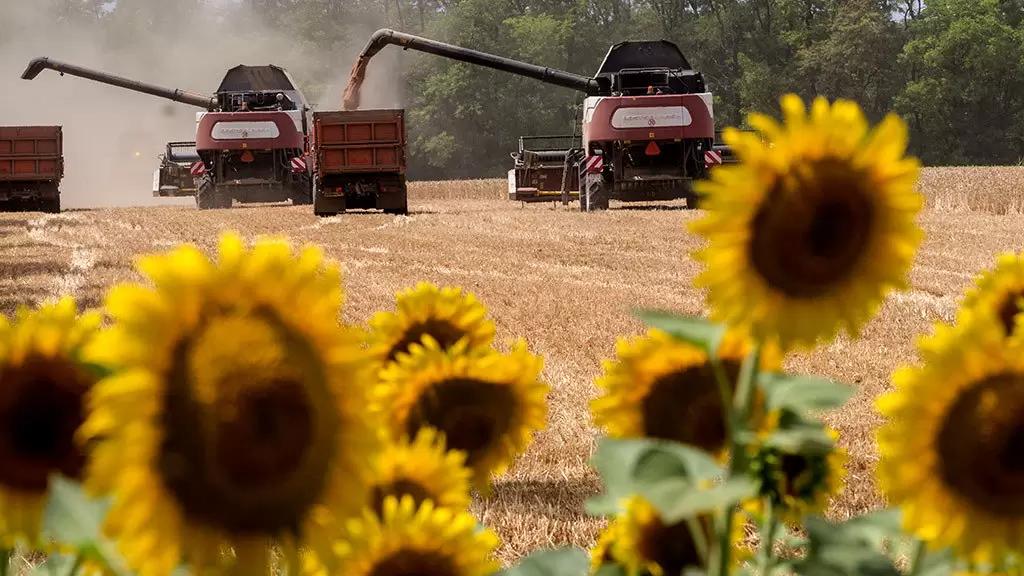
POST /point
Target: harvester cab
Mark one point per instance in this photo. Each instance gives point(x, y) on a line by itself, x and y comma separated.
point(250, 139)
point(647, 123)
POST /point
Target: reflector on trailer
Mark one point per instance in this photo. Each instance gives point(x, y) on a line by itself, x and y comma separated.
point(652, 149)
point(247, 157)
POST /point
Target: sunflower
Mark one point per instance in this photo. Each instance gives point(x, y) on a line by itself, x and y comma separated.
point(422, 469)
point(807, 236)
point(950, 447)
point(601, 553)
point(445, 314)
point(236, 412)
point(798, 484)
point(43, 383)
point(999, 291)
point(485, 404)
point(422, 540)
point(661, 387)
point(643, 544)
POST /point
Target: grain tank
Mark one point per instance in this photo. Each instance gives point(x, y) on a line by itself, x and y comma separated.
point(250, 137)
point(648, 118)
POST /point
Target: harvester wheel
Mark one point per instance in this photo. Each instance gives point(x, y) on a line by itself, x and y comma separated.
point(594, 193)
point(207, 195)
point(692, 201)
point(302, 195)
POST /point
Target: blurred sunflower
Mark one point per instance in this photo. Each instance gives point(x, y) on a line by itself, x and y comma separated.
point(601, 553)
point(445, 314)
point(417, 540)
point(43, 382)
point(643, 544)
point(797, 484)
point(950, 448)
point(422, 469)
point(485, 404)
point(807, 236)
point(236, 415)
point(999, 291)
point(661, 387)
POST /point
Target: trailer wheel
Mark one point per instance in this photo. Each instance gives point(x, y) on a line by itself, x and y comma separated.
point(208, 196)
point(593, 193)
point(50, 205)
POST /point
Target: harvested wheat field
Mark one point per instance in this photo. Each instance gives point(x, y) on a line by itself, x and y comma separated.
point(564, 280)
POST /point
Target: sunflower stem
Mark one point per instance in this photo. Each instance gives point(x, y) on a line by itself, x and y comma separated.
point(79, 560)
point(725, 390)
point(739, 414)
point(769, 528)
point(918, 560)
point(700, 539)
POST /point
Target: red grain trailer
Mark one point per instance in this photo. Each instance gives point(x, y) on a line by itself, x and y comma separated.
point(31, 167)
point(359, 161)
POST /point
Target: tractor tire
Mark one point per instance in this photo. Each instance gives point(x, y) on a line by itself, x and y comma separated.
point(593, 193)
point(208, 197)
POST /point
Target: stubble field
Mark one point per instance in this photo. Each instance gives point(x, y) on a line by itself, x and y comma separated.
point(563, 280)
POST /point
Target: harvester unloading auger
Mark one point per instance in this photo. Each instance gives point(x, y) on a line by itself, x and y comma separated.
point(250, 140)
point(647, 117)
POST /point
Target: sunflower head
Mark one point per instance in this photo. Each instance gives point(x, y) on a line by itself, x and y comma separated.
point(422, 469)
point(949, 449)
point(236, 412)
point(643, 544)
point(44, 378)
point(446, 315)
point(999, 292)
point(483, 403)
point(411, 540)
point(807, 236)
point(798, 483)
point(661, 387)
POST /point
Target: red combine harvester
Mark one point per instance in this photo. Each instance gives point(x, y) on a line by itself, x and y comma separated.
point(31, 167)
point(250, 141)
point(648, 119)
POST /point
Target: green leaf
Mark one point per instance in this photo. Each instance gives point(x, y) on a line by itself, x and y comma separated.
point(611, 570)
point(560, 562)
point(694, 330)
point(801, 439)
point(655, 469)
point(74, 519)
point(851, 548)
point(803, 393)
point(677, 502)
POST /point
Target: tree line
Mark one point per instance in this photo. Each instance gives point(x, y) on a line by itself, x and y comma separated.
point(954, 69)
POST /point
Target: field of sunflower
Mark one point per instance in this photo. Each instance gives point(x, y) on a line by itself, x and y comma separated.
point(517, 402)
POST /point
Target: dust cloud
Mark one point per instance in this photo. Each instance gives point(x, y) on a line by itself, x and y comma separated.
point(112, 136)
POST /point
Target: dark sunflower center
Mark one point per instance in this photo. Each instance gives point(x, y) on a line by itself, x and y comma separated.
point(254, 462)
point(40, 409)
point(981, 442)
point(398, 489)
point(446, 334)
point(670, 547)
point(812, 234)
point(473, 415)
point(415, 563)
point(686, 407)
point(1008, 311)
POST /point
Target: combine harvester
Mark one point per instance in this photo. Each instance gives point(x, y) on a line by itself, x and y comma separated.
point(648, 126)
point(31, 167)
point(250, 140)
